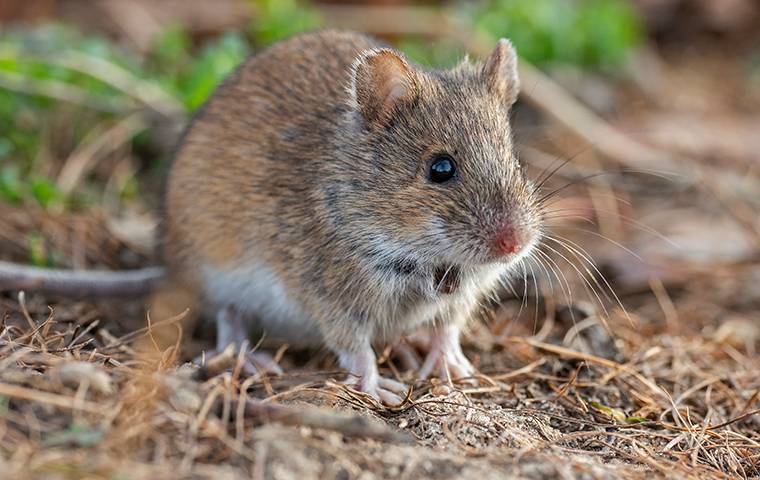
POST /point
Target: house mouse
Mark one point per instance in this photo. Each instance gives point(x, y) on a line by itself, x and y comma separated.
point(332, 192)
point(331, 188)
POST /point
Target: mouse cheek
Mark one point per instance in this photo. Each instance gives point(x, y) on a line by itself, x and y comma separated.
point(438, 237)
point(407, 214)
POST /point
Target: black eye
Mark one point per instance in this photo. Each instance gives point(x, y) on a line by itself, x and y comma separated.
point(443, 168)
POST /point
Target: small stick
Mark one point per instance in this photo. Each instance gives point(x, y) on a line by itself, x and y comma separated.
point(216, 364)
point(520, 371)
point(568, 353)
point(348, 425)
point(54, 399)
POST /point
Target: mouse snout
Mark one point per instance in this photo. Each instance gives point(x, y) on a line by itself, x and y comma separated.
point(507, 240)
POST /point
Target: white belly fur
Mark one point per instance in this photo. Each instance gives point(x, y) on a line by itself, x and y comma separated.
point(257, 294)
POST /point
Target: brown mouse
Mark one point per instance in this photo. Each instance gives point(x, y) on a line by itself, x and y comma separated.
point(332, 191)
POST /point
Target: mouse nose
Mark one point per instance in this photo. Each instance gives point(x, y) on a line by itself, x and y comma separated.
point(507, 241)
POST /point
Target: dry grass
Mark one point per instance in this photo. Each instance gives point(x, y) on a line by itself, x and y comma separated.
point(668, 388)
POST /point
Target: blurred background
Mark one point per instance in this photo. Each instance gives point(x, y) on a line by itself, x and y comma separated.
point(654, 102)
point(636, 327)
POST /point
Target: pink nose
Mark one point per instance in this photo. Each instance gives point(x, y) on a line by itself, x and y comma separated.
point(506, 241)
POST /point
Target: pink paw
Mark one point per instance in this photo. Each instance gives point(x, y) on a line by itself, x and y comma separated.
point(445, 357)
point(447, 364)
point(363, 373)
point(385, 390)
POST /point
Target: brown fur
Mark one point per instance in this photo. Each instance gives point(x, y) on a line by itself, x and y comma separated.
point(312, 160)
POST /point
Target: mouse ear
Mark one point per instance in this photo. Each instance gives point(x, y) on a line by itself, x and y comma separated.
point(381, 80)
point(500, 71)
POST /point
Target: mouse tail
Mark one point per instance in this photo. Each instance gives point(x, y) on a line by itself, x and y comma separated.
point(80, 284)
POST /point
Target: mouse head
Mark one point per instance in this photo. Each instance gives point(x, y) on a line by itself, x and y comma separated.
point(434, 176)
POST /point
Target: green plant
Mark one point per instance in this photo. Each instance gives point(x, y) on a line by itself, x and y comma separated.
point(277, 19)
point(191, 78)
point(11, 187)
point(591, 34)
point(588, 33)
point(54, 79)
point(431, 53)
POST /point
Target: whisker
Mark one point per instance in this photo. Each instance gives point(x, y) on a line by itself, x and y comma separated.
point(508, 285)
point(566, 290)
point(604, 237)
point(546, 271)
point(546, 196)
point(626, 219)
point(524, 302)
point(655, 173)
point(543, 179)
point(570, 215)
point(578, 250)
point(535, 312)
point(567, 293)
point(443, 278)
point(587, 284)
point(610, 196)
point(543, 268)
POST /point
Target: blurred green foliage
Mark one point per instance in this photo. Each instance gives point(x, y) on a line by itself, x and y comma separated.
point(277, 19)
point(40, 255)
point(432, 53)
point(587, 33)
point(75, 434)
point(192, 77)
point(33, 68)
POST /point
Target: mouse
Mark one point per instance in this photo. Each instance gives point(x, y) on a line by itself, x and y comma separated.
point(332, 192)
point(332, 189)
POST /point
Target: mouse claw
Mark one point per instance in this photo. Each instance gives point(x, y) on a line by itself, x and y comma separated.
point(392, 385)
point(387, 397)
point(385, 390)
point(448, 367)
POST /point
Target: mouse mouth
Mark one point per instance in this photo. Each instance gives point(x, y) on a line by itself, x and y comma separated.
point(446, 279)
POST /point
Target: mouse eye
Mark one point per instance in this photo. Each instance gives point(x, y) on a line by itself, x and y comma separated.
point(443, 168)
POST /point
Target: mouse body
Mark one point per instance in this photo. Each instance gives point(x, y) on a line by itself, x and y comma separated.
point(332, 193)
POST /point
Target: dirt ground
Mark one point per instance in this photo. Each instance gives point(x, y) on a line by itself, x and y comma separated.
point(641, 363)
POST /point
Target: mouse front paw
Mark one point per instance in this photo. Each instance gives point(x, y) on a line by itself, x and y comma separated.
point(445, 357)
point(363, 375)
point(446, 364)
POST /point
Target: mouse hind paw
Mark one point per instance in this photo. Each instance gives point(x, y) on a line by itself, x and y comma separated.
point(254, 362)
